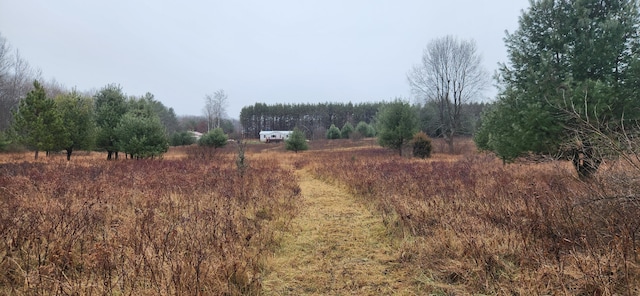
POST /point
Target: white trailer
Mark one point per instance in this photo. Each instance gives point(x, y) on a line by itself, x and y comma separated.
point(274, 136)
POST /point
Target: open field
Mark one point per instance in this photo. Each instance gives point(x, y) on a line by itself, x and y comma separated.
point(180, 225)
point(471, 225)
point(192, 223)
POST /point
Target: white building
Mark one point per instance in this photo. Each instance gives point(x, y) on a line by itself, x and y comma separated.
point(196, 135)
point(274, 136)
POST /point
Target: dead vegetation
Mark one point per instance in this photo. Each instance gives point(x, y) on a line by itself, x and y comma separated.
point(192, 224)
point(473, 225)
point(183, 226)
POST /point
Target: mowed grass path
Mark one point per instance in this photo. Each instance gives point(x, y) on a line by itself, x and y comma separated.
point(335, 246)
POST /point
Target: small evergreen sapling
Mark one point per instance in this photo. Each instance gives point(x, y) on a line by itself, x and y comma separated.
point(297, 141)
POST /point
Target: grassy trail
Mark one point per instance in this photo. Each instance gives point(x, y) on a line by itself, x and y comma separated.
point(336, 246)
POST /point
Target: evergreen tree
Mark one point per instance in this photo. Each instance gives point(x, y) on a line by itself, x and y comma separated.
point(214, 138)
point(4, 141)
point(141, 136)
point(110, 107)
point(346, 130)
point(366, 130)
point(38, 124)
point(78, 118)
point(333, 132)
point(182, 139)
point(297, 141)
point(569, 81)
point(397, 123)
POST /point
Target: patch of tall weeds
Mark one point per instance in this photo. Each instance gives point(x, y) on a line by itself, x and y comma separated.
point(146, 227)
point(477, 226)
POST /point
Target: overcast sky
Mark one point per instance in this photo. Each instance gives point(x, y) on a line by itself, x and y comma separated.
point(257, 51)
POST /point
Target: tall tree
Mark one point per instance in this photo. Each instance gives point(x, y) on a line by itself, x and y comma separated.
point(7, 103)
point(16, 80)
point(569, 81)
point(166, 115)
point(77, 115)
point(208, 111)
point(220, 99)
point(110, 106)
point(450, 74)
point(215, 108)
point(37, 123)
point(396, 123)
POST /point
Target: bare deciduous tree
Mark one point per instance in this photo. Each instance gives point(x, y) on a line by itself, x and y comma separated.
point(208, 110)
point(5, 70)
point(215, 108)
point(16, 78)
point(450, 74)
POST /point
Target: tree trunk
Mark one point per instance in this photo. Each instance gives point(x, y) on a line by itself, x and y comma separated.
point(69, 150)
point(109, 153)
point(448, 138)
point(585, 160)
point(449, 141)
point(36, 156)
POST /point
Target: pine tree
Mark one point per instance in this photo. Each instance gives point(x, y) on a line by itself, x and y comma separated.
point(397, 123)
point(78, 117)
point(38, 124)
point(297, 141)
point(570, 79)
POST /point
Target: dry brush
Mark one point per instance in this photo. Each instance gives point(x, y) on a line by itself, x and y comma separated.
point(470, 224)
point(183, 226)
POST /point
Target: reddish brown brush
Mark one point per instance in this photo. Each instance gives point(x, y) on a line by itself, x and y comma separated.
point(477, 226)
point(179, 226)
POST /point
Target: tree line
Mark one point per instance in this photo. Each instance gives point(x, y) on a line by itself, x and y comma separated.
point(315, 120)
point(139, 126)
point(46, 116)
point(312, 119)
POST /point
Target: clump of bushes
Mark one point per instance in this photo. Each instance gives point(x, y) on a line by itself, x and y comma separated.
point(421, 145)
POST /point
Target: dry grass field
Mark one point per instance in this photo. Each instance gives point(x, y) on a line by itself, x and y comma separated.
point(189, 224)
point(344, 218)
point(471, 225)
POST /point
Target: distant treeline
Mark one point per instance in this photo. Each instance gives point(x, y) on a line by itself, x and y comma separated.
point(312, 119)
point(315, 119)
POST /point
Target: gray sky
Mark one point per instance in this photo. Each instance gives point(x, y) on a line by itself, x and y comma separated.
point(257, 51)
